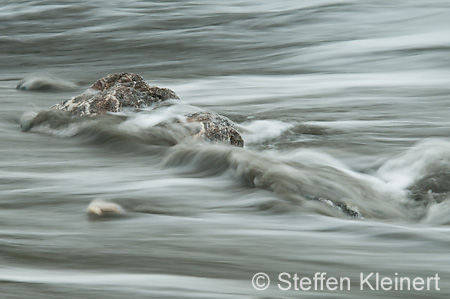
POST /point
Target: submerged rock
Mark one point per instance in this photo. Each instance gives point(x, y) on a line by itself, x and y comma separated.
point(432, 187)
point(116, 92)
point(45, 83)
point(351, 211)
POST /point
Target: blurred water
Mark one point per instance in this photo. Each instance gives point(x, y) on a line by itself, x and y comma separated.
point(341, 100)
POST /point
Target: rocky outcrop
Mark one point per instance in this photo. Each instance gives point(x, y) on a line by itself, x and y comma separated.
point(117, 92)
point(113, 93)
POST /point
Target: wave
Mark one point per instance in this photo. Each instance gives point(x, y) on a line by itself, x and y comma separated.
point(412, 186)
point(424, 172)
point(307, 179)
point(45, 83)
point(261, 130)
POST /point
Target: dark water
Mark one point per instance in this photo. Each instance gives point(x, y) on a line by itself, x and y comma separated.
point(340, 100)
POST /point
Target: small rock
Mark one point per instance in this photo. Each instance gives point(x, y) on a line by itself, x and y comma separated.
point(104, 208)
point(217, 128)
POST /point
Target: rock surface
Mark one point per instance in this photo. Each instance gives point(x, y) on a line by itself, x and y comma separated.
point(104, 208)
point(116, 92)
point(216, 128)
point(113, 93)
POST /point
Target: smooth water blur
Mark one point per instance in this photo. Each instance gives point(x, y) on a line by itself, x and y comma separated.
point(340, 100)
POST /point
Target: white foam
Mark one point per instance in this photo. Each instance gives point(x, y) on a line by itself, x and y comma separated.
point(261, 130)
point(402, 170)
point(151, 117)
point(438, 213)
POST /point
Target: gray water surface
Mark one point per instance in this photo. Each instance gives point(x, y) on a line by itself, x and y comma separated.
point(340, 100)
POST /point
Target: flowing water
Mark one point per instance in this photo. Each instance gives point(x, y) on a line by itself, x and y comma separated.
point(337, 101)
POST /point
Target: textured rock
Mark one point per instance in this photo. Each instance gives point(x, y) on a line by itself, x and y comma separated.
point(113, 93)
point(216, 128)
point(116, 92)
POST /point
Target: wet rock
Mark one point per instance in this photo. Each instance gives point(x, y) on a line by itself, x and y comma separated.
point(27, 120)
point(351, 211)
point(113, 93)
point(433, 187)
point(116, 92)
point(104, 208)
point(216, 128)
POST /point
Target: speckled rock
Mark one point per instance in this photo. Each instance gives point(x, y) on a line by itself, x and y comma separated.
point(113, 93)
point(216, 128)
